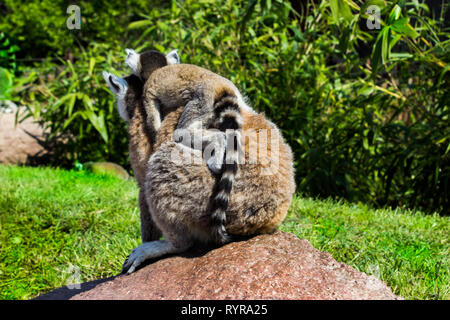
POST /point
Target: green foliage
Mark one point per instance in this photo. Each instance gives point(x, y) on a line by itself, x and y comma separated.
point(37, 26)
point(7, 52)
point(40, 27)
point(6, 84)
point(74, 104)
point(7, 66)
point(366, 112)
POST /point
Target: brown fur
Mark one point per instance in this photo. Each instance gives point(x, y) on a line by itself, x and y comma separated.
point(210, 101)
point(186, 85)
point(180, 193)
point(175, 197)
point(258, 203)
point(140, 149)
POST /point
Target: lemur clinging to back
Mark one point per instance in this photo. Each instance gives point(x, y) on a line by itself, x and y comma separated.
point(210, 102)
point(180, 195)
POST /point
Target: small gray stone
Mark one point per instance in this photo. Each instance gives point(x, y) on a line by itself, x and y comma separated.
point(108, 168)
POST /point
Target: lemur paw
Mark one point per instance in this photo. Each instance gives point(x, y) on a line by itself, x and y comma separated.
point(145, 251)
point(135, 258)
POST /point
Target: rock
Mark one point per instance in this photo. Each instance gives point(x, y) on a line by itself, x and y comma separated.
point(7, 106)
point(109, 168)
point(277, 266)
point(22, 144)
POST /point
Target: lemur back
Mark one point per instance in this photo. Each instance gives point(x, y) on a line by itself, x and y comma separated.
point(179, 196)
point(210, 102)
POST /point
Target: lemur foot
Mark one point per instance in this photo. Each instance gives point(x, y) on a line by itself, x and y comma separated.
point(148, 250)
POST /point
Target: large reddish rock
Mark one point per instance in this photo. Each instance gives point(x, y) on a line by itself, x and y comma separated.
point(277, 266)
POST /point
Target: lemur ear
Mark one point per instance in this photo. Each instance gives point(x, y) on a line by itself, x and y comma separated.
point(132, 60)
point(173, 57)
point(119, 87)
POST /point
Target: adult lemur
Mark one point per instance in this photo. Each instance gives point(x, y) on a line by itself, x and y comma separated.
point(178, 196)
point(210, 102)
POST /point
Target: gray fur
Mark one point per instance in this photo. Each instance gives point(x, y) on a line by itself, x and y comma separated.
point(178, 194)
point(167, 90)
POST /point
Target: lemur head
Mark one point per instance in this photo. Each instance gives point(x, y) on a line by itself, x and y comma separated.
point(143, 65)
point(128, 91)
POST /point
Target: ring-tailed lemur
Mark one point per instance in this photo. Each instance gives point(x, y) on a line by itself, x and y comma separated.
point(211, 102)
point(179, 195)
point(129, 105)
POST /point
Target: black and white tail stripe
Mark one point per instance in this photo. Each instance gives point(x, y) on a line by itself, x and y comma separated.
point(228, 118)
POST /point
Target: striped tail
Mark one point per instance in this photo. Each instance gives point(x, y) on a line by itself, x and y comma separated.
point(227, 116)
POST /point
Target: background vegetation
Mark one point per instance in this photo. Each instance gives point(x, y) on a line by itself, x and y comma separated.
point(366, 112)
point(65, 227)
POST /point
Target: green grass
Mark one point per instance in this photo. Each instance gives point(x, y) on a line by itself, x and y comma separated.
point(408, 250)
point(53, 222)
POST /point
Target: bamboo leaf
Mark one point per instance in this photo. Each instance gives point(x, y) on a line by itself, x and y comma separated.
point(402, 27)
point(340, 9)
point(139, 24)
point(395, 14)
point(98, 122)
point(91, 66)
point(385, 44)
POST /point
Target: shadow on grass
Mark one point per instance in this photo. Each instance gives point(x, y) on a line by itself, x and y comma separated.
point(65, 293)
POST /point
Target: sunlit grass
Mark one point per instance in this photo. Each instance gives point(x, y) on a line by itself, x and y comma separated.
point(54, 223)
point(408, 250)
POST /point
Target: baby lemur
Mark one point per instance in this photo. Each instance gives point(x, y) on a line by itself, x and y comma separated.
point(210, 102)
point(178, 196)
